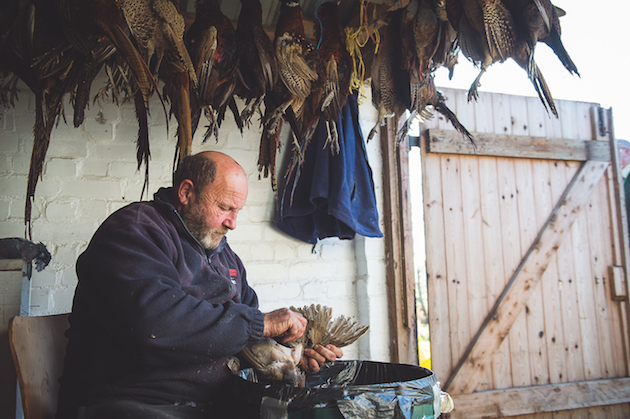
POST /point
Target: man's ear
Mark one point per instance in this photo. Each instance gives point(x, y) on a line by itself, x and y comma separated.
point(185, 192)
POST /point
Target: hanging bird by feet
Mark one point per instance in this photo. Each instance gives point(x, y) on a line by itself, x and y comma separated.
point(101, 32)
point(486, 34)
point(301, 79)
point(419, 39)
point(428, 42)
point(492, 31)
point(338, 66)
point(211, 42)
point(86, 24)
point(390, 81)
point(301, 72)
point(258, 67)
point(259, 82)
point(158, 29)
point(35, 50)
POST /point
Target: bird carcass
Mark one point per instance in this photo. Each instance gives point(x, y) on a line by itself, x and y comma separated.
point(274, 361)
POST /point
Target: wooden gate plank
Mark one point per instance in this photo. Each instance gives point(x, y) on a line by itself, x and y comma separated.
point(599, 247)
point(570, 366)
point(511, 251)
point(530, 221)
point(547, 398)
point(437, 290)
point(525, 234)
point(523, 283)
point(553, 339)
point(585, 296)
point(457, 287)
point(471, 233)
point(560, 175)
point(495, 278)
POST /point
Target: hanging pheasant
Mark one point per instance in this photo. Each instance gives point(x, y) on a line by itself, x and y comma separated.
point(492, 31)
point(90, 25)
point(301, 78)
point(258, 67)
point(338, 67)
point(428, 43)
point(100, 31)
point(390, 81)
point(35, 51)
point(301, 70)
point(158, 29)
point(211, 42)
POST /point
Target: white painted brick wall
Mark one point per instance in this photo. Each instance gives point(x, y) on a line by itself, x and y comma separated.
point(90, 172)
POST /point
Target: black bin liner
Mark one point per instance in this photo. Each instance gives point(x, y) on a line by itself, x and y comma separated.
point(350, 389)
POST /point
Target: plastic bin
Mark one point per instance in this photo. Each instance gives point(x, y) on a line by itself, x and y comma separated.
point(341, 390)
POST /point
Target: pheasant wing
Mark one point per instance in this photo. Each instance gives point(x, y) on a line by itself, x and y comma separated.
point(322, 330)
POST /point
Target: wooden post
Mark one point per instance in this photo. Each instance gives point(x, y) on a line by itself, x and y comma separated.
point(619, 271)
point(398, 246)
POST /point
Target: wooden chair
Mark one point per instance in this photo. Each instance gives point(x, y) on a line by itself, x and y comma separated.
point(38, 345)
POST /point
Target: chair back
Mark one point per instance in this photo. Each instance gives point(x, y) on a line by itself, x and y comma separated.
point(38, 346)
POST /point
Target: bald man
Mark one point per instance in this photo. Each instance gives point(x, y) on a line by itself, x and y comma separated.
point(162, 302)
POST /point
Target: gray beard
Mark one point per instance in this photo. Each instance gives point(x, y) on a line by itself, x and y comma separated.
point(197, 226)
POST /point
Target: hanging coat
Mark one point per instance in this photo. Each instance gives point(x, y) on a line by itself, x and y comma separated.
point(331, 195)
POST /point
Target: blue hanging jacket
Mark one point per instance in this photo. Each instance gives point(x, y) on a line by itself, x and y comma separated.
point(331, 195)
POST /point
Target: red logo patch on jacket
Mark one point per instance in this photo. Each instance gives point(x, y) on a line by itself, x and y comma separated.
point(233, 272)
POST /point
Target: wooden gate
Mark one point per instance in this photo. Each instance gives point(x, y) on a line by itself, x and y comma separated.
point(526, 260)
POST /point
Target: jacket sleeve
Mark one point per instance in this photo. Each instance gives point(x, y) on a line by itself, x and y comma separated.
point(135, 280)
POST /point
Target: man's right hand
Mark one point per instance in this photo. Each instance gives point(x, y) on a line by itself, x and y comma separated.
point(284, 323)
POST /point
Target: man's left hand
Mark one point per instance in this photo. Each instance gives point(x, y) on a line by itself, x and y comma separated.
point(314, 359)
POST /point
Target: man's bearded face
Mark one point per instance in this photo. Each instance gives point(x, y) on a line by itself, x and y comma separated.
point(196, 221)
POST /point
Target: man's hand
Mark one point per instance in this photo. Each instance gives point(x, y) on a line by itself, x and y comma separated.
point(284, 323)
point(314, 359)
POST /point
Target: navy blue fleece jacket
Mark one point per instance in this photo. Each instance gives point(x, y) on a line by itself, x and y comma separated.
point(154, 316)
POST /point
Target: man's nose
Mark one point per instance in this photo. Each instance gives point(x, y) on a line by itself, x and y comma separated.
point(230, 221)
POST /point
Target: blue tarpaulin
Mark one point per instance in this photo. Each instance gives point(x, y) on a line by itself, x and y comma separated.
point(331, 195)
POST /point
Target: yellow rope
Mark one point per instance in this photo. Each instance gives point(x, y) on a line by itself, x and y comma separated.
point(353, 45)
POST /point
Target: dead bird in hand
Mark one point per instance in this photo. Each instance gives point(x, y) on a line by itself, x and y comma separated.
point(278, 362)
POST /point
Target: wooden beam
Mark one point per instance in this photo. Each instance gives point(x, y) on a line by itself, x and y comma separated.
point(512, 301)
point(541, 399)
point(398, 247)
point(619, 219)
point(443, 141)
